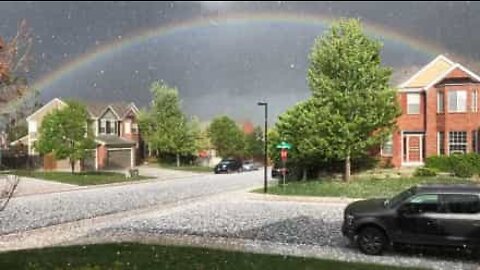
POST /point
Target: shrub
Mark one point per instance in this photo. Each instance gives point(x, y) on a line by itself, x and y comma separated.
point(425, 172)
point(461, 165)
point(463, 168)
point(440, 163)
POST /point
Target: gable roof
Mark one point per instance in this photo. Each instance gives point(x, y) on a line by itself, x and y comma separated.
point(97, 109)
point(434, 72)
point(46, 106)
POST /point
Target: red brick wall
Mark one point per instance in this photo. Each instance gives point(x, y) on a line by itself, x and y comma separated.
point(102, 155)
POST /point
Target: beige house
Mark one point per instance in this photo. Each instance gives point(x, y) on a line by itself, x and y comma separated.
point(115, 127)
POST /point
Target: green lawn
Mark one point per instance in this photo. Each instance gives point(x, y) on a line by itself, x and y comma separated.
point(82, 178)
point(200, 169)
point(137, 256)
point(360, 188)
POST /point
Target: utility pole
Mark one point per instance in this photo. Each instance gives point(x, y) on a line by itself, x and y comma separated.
point(265, 104)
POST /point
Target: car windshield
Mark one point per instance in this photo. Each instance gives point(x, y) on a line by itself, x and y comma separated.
point(226, 161)
point(393, 202)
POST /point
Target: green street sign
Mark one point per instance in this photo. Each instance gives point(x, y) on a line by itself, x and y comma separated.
point(284, 145)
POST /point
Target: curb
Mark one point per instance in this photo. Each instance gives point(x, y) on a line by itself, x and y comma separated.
point(301, 199)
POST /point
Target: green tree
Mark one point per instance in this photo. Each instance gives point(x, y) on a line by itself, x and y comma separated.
point(254, 143)
point(227, 138)
point(295, 127)
point(202, 141)
point(352, 108)
point(164, 126)
point(65, 134)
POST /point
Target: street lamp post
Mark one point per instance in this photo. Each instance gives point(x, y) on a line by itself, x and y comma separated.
point(265, 104)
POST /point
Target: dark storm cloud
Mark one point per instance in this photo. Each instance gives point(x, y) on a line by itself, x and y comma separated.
point(223, 69)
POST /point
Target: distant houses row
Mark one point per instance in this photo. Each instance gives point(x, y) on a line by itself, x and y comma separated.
point(440, 105)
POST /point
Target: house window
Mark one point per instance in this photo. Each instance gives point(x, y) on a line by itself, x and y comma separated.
point(474, 101)
point(413, 103)
point(441, 143)
point(102, 126)
point(134, 128)
point(457, 101)
point(440, 98)
point(108, 128)
point(387, 148)
point(457, 142)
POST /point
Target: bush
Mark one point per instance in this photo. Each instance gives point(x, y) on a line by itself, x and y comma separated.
point(425, 172)
point(463, 168)
point(440, 163)
point(461, 165)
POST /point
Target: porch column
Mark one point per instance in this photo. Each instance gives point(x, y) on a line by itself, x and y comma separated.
point(132, 159)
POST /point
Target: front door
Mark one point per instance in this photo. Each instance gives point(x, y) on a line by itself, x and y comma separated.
point(413, 149)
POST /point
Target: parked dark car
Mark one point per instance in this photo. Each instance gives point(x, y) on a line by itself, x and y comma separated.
point(439, 215)
point(228, 166)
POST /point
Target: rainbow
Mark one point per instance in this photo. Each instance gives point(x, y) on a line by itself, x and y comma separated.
point(104, 51)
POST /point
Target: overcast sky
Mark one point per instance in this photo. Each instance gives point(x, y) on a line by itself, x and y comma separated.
point(221, 68)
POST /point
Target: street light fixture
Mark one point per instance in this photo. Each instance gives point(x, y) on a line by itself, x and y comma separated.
point(265, 104)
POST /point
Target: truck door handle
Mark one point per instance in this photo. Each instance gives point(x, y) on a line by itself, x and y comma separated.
point(431, 222)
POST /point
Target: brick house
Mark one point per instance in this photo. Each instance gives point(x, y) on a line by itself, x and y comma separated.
point(114, 125)
point(440, 114)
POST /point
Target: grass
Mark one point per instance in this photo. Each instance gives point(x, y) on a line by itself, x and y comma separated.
point(188, 168)
point(138, 256)
point(81, 178)
point(359, 188)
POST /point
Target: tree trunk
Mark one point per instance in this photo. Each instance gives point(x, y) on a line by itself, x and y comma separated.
point(304, 177)
point(178, 160)
point(346, 176)
point(72, 164)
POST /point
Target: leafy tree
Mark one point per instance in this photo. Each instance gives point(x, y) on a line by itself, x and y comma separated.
point(254, 143)
point(352, 108)
point(295, 127)
point(227, 138)
point(164, 126)
point(65, 134)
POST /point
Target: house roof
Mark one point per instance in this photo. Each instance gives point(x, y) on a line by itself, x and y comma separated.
point(23, 140)
point(434, 72)
point(113, 140)
point(97, 109)
point(56, 103)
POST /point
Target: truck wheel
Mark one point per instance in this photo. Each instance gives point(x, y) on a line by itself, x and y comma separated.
point(372, 241)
